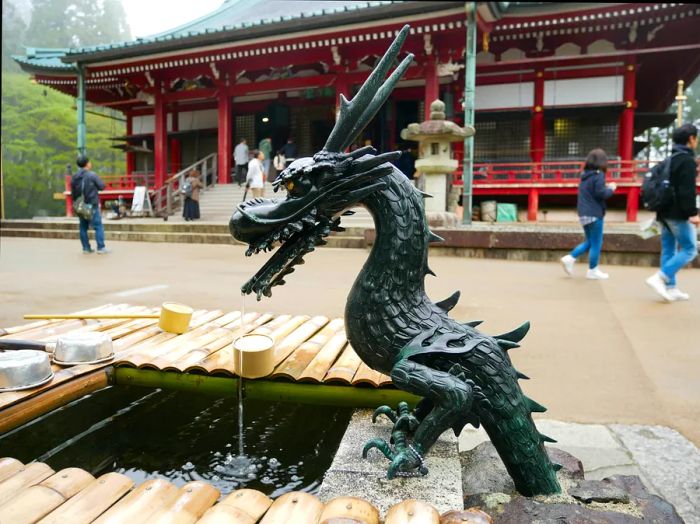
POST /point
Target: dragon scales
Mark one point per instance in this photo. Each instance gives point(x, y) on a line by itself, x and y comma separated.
point(463, 375)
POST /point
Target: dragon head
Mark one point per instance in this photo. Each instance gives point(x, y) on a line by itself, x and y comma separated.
point(319, 189)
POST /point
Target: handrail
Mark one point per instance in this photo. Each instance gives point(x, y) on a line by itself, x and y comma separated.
point(167, 198)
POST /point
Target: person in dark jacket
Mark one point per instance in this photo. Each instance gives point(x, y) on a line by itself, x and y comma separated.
point(679, 219)
point(88, 184)
point(190, 209)
point(592, 194)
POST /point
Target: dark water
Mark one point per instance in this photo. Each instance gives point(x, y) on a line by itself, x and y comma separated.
point(182, 437)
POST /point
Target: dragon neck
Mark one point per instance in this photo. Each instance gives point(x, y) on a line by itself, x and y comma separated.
point(392, 278)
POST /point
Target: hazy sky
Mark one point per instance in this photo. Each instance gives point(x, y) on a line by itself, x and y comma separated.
point(147, 17)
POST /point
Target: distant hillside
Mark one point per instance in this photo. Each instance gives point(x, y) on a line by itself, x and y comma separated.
point(39, 139)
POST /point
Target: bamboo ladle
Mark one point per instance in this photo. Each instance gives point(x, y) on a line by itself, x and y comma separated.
point(173, 317)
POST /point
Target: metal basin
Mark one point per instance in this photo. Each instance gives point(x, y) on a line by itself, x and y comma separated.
point(89, 347)
point(24, 369)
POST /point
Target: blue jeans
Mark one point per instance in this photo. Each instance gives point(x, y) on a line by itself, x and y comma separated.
point(679, 246)
point(593, 243)
point(96, 224)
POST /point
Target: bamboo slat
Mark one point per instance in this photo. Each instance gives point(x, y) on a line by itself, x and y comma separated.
point(296, 507)
point(321, 363)
point(289, 343)
point(349, 509)
point(221, 361)
point(300, 358)
point(207, 334)
point(366, 375)
point(9, 466)
point(384, 380)
point(37, 501)
point(225, 337)
point(12, 332)
point(164, 342)
point(412, 512)
point(51, 331)
point(92, 501)
point(345, 367)
point(26, 476)
point(138, 506)
point(242, 506)
point(190, 503)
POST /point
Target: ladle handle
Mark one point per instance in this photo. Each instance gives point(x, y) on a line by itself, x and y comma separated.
point(94, 316)
point(7, 343)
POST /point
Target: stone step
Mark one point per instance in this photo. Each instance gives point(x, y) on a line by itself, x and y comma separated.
point(161, 236)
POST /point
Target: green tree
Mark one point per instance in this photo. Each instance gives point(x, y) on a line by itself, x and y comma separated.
point(13, 30)
point(76, 23)
point(38, 141)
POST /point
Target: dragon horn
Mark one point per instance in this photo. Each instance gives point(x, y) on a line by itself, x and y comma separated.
point(357, 113)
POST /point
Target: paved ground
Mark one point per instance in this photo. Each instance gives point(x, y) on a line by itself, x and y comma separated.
point(598, 352)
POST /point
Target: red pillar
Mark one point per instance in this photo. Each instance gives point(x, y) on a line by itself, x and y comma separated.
point(175, 142)
point(225, 123)
point(533, 204)
point(626, 135)
point(537, 130)
point(130, 157)
point(626, 129)
point(432, 85)
point(160, 137)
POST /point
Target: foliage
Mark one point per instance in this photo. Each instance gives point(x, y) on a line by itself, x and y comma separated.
point(38, 141)
point(660, 138)
point(13, 30)
point(76, 23)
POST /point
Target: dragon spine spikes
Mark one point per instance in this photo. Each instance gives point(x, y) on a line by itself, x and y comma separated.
point(534, 407)
point(507, 344)
point(517, 334)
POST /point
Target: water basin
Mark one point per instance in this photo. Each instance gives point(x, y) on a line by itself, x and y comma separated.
point(179, 436)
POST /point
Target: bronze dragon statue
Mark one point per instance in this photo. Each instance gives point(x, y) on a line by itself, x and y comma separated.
point(463, 375)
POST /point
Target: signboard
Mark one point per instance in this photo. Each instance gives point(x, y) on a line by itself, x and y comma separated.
point(141, 203)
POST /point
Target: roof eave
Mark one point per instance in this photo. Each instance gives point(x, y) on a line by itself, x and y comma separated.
point(260, 31)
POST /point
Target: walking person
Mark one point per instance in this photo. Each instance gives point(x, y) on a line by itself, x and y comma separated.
point(85, 190)
point(679, 216)
point(289, 150)
point(592, 194)
point(191, 188)
point(265, 146)
point(279, 163)
point(240, 157)
point(255, 180)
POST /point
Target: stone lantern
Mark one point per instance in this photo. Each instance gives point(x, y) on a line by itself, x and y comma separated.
point(435, 156)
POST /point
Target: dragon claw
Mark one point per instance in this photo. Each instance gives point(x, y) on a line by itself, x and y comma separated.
point(381, 445)
point(384, 410)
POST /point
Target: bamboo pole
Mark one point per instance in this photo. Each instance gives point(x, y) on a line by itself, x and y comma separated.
point(92, 317)
point(317, 394)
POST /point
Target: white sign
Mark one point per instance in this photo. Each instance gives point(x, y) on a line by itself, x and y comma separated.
point(141, 203)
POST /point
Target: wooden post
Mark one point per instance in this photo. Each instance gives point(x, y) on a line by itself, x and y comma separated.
point(533, 204)
point(161, 137)
point(432, 85)
point(130, 157)
point(175, 142)
point(225, 149)
point(626, 128)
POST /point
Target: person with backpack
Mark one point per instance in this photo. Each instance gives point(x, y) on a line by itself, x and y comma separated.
point(670, 190)
point(85, 189)
point(190, 190)
point(592, 194)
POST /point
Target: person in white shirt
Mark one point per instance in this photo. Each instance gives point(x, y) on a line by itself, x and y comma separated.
point(255, 178)
point(240, 157)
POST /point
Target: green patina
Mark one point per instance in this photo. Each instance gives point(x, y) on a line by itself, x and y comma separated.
point(462, 375)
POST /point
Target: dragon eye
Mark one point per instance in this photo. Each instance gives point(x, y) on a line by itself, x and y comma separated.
point(290, 186)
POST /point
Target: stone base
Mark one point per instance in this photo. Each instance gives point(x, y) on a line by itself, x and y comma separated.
point(442, 219)
point(620, 499)
point(366, 478)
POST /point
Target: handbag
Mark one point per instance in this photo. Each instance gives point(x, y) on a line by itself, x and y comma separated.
point(82, 208)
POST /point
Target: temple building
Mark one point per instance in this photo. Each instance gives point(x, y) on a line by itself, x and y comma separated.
point(553, 80)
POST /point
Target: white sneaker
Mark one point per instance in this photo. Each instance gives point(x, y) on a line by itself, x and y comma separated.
point(677, 294)
point(657, 283)
point(596, 274)
point(567, 262)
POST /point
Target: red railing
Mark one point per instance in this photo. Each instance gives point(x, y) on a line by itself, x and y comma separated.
point(551, 172)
